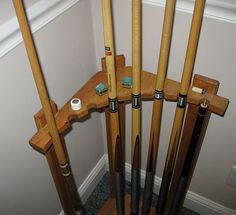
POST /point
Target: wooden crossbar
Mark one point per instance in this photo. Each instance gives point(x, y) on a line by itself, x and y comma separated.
point(41, 141)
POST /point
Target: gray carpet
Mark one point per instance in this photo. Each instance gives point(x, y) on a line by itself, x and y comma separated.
point(101, 193)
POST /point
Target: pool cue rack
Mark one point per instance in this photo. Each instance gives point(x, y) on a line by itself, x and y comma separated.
point(91, 101)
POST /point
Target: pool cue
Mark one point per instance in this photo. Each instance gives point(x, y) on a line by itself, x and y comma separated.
point(113, 106)
point(188, 162)
point(136, 106)
point(158, 104)
point(45, 101)
point(181, 104)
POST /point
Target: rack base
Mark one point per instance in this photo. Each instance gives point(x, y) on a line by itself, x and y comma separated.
point(109, 208)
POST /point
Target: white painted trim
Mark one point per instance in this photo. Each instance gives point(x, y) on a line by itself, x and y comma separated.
point(93, 178)
point(215, 9)
point(206, 206)
point(193, 201)
point(39, 14)
point(44, 11)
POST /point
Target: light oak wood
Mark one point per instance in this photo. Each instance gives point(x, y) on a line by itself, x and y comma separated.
point(187, 73)
point(91, 101)
point(158, 103)
point(180, 109)
point(120, 64)
point(59, 182)
point(110, 66)
point(116, 145)
point(47, 140)
point(39, 81)
point(42, 140)
point(192, 45)
point(136, 46)
point(136, 104)
point(109, 207)
point(210, 86)
point(58, 179)
point(136, 70)
point(39, 117)
point(165, 44)
point(45, 101)
point(109, 48)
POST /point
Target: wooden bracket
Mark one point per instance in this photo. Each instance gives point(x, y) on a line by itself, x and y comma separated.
point(210, 86)
point(64, 197)
point(91, 101)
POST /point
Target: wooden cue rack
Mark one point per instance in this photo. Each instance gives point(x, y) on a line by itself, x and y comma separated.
point(42, 142)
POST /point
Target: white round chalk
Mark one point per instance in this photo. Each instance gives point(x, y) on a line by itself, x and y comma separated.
point(197, 90)
point(75, 104)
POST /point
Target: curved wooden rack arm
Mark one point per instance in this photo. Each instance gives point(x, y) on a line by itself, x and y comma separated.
point(41, 141)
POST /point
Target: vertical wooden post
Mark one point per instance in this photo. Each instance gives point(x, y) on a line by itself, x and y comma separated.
point(209, 86)
point(59, 182)
point(45, 101)
point(61, 187)
point(181, 104)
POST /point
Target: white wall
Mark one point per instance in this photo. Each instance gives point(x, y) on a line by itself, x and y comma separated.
point(215, 59)
point(67, 56)
point(7, 11)
point(70, 55)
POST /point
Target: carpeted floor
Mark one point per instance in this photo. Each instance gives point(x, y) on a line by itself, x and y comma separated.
point(101, 193)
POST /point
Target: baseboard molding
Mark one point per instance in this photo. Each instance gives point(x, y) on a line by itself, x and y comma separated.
point(93, 178)
point(205, 206)
point(39, 14)
point(193, 201)
point(215, 9)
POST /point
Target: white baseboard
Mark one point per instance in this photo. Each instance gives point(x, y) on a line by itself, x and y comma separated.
point(193, 201)
point(93, 178)
point(206, 206)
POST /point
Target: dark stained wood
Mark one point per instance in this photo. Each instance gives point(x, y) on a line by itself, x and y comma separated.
point(109, 152)
point(122, 132)
point(209, 86)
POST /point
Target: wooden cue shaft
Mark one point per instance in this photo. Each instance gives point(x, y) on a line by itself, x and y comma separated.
point(37, 73)
point(181, 189)
point(181, 104)
point(113, 105)
point(136, 105)
point(136, 81)
point(158, 103)
point(45, 101)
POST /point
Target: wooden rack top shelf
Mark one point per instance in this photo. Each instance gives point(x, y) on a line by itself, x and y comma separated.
point(41, 141)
